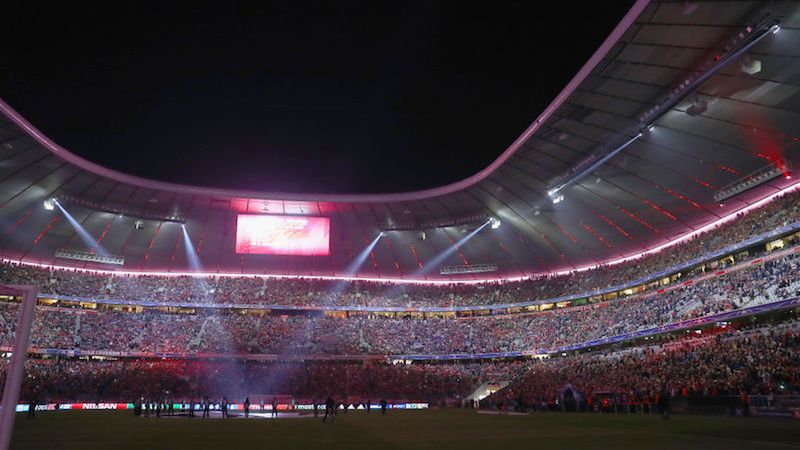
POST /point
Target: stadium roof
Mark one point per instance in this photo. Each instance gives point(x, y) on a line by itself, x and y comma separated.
point(681, 100)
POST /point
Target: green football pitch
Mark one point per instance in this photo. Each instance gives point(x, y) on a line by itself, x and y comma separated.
point(446, 429)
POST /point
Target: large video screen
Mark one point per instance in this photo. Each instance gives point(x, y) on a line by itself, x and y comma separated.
point(283, 235)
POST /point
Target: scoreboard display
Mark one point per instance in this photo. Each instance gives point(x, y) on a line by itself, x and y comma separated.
point(282, 235)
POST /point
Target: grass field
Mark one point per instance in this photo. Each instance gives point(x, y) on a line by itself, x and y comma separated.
point(446, 429)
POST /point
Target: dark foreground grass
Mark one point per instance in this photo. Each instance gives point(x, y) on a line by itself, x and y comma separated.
point(447, 429)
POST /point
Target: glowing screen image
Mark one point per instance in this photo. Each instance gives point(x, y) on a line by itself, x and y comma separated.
point(282, 235)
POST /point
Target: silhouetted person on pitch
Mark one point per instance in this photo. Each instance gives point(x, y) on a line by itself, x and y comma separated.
point(247, 407)
point(330, 409)
point(32, 408)
point(207, 408)
point(663, 402)
point(274, 407)
point(384, 405)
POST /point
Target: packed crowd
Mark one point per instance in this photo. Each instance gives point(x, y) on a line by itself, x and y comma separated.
point(70, 380)
point(761, 361)
point(731, 362)
point(211, 330)
point(304, 292)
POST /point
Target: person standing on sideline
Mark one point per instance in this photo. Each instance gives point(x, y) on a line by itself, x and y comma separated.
point(32, 408)
point(330, 409)
point(384, 405)
point(663, 402)
point(247, 407)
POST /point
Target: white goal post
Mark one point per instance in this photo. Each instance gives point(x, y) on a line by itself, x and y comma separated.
point(16, 368)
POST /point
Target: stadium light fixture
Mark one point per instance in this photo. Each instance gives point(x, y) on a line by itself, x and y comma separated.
point(495, 223)
point(49, 204)
point(776, 28)
point(651, 128)
point(557, 199)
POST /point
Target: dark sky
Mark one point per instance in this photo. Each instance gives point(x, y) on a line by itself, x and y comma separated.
point(338, 96)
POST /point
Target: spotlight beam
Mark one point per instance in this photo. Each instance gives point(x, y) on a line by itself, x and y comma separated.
point(356, 263)
point(352, 268)
point(87, 239)
point(438, 259)
point(191, 254)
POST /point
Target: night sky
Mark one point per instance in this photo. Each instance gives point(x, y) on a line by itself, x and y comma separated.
point(291, 96)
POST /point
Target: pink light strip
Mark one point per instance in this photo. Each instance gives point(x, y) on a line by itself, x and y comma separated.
point(689, 235)
point(440, 282)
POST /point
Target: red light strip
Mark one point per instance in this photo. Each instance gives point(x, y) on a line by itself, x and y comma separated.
point(458, 249)
point(18, 222)
point(703, 183)
point(152, 241)
point(597, 235)
point(728, 169)
point(682, 197)
point(394, 257)
point(616, 227)
point(46, 229)
point(658, 208)
point(566, 233)
point(690, 235)
point(414, 251)
point(103, 234)
point(550, 244)
point(639, 220)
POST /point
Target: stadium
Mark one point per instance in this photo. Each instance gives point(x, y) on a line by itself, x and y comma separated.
point(624, 274)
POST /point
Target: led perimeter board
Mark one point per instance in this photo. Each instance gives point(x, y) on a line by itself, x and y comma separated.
point(283, 235)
